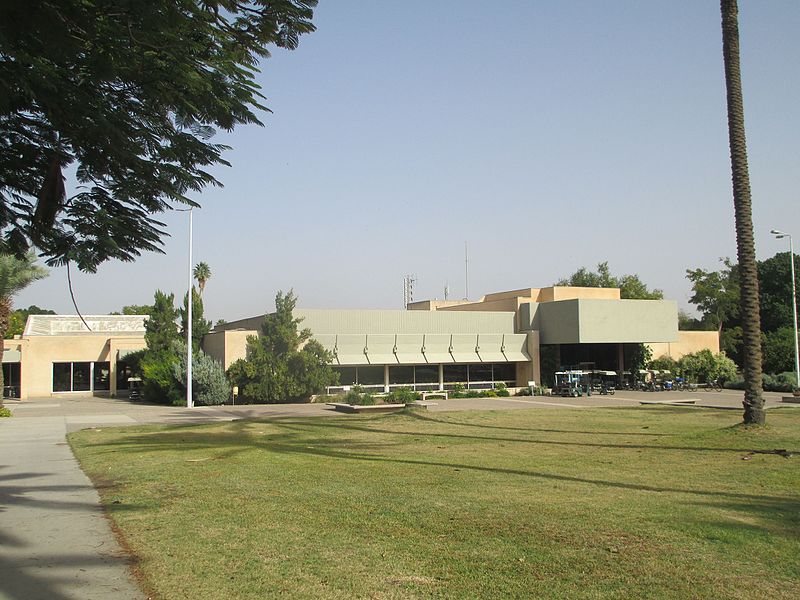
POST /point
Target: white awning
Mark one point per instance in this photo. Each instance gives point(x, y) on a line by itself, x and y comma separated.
point(351, 359)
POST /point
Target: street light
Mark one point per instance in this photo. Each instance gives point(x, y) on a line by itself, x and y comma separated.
point(189, 299)
point(779, 235)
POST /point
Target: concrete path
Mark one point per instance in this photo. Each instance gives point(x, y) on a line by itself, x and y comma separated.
point(55, 542)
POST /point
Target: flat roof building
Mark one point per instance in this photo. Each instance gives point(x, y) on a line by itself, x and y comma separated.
point(512, 337)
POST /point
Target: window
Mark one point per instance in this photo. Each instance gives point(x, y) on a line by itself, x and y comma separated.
point(81, 376)
point(426, 373)
point(347, 375)
point(455, 373)
point(370, 375)
point(505, 371)
point(124, 371)
point(102, 377)
point(480, 372)
point(402, 375)
point(62, 377)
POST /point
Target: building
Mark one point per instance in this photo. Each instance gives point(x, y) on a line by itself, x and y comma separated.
point(509, 337)
point(58, 355)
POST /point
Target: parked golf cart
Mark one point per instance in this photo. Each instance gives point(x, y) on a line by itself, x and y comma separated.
point(570, 383)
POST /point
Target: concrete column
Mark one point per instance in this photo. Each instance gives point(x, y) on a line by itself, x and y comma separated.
point(620, 361)
point(441, 378)
point(535, 354)
point(386, 379)
point(112, 369)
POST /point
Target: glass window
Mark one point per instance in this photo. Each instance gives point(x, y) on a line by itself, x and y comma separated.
point(62, 377)
point(347, 375)
point(505, 371)
point(102, 373)
point(480, 372)
point(401, 375)
point(455, 373)
point(370, 375)
point(124, 371)
point(426, 373)
point(81, 376)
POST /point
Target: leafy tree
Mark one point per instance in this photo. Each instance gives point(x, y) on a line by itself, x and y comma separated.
point(220, 323)
point(202, 273)
point(704, 366)
point(130, 94)
point(15, 275)
point(137, 309)
point(200, 325)
point(161, 329)
point(18, 319)
point(630, 286)
point(775, 288)
point(716, 294)
point(158, 376)
point(778, 348)
point(754, 411)
point(284, 363)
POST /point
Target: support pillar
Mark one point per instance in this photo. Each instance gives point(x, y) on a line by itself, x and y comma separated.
point(385, 379)
point(441, 378)
point(621, 361)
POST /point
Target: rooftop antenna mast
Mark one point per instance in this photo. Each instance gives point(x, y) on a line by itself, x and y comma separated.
point(408, 290)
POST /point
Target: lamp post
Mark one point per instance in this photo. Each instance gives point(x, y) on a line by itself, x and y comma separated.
point(779, 235)
point(189, 299)
point(189, 302)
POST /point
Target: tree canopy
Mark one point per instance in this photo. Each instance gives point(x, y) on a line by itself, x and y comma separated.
point(283, 364)
point(630, 286)
point(127, 95)
point(18, 318)
point(716, 295)
point(15, 275)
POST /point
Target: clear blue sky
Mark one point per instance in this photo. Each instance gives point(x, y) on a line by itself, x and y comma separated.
point(549, 135)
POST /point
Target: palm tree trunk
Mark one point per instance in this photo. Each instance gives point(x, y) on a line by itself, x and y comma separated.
point(754, 412)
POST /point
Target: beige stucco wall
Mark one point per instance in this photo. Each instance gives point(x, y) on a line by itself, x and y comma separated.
point(228, 346)
point(687, 343)
point(38, 353)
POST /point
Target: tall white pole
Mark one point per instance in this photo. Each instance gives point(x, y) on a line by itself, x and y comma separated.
point(189, 303)
point(782, 234)
point(794, 312)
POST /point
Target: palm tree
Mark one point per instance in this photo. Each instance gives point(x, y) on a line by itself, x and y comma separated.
point(202, 272)
point(15, 275)
point(754, 412)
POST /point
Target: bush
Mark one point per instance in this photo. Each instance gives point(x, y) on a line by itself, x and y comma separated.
point(358, 397)
point(158, 380)
point(501, 390)
point(209, 384)
point(526, 391)
point(4, 412)
point(782, 382)
point(402, 395)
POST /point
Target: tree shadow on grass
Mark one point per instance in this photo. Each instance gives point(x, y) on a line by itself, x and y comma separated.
point(773, 516)
point(296, 441)
point(423, 417)
point(355, 426)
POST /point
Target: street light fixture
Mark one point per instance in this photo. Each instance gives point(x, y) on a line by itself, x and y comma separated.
point(781, 234)
point(189, 299)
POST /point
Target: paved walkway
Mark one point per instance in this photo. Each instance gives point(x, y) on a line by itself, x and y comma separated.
point(55, 542)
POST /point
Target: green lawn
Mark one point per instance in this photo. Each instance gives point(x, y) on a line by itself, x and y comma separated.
point(656, 502)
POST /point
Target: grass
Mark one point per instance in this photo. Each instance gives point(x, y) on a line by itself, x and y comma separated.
point(656, 502)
